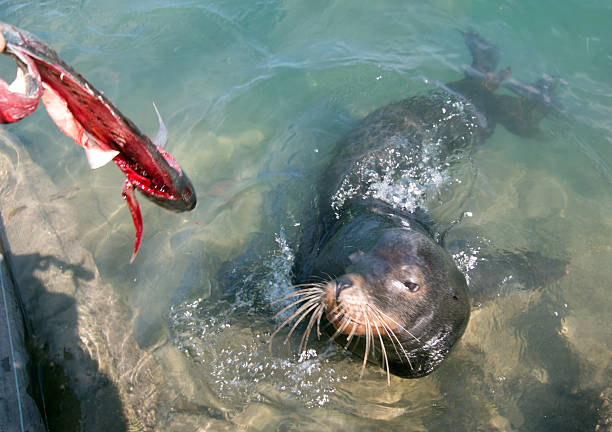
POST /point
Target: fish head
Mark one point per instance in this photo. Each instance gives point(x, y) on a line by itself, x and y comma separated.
point(169, 187)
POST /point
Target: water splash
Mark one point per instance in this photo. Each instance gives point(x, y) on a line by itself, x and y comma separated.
point(231, 340)
point(409, 167)
point(467, 260)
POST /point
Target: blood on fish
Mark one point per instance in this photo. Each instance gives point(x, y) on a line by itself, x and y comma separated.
point(84, 114)
point(130, 198)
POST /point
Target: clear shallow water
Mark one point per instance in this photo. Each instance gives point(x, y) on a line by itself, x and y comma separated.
point(254, 96)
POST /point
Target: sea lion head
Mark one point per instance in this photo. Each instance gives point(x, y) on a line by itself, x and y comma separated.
point(406, 296)
point(403, 303)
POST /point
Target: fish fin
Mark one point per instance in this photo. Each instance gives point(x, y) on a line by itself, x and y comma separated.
point(161, 138)
point(96, 157)
point(130, 198)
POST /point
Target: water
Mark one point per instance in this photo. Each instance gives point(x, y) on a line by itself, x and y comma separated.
point(254, 95)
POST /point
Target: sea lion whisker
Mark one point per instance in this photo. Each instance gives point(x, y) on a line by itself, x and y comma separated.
point(323, 279)
point(327, 327)
point(344, 324)
point(319, 320)
point(384, 359)
point(387, 328)
point(355, 344)
point(304, 295)
point(318, 311)
point(309, 295)
point(330, 277)
point(310, 284)
point(297, 322)
point(381, 316)
point(367, 347)
point(299, 311)
point(396, 323)
point(302, 312)
point(338, 315)
point(336, 312)
point(299, 293)
point(393, 337)
point(308, 287)
point(350, 336)
point(370, 323)
point(313, 286)
point(305, 299)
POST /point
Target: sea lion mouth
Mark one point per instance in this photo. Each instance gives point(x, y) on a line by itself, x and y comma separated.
point(352, 316)
point(350, 309)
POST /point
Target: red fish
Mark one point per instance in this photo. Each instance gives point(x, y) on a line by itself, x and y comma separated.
point(93, 122)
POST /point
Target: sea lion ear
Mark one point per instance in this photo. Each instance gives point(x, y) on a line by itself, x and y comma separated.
point(354, 257)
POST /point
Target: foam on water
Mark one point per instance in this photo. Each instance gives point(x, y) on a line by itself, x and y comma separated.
point(410, 169)
point(243, 362)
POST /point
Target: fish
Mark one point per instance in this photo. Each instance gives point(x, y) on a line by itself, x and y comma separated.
point(84, 114)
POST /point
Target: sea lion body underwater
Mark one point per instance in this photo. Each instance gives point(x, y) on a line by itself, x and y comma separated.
point(369, 272)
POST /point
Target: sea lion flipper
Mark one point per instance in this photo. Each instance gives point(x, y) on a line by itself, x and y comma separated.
point(520, 116)
point(504, 271)
point(485, 55)
point(543, 90)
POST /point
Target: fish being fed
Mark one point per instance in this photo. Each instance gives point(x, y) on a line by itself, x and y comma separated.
point(84, 114)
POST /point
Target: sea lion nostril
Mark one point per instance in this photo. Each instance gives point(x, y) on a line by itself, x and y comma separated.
point(341, 284)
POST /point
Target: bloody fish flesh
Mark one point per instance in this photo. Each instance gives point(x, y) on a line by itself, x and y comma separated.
point(93, 122)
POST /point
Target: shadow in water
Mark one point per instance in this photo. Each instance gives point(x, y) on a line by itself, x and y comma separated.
point(71, 391)
point(544, 395)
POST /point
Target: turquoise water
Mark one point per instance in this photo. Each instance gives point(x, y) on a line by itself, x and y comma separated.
point(254, 96)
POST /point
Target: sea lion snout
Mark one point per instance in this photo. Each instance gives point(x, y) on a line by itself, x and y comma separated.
point(342, 284)
point(345, 291)
point(349, 307)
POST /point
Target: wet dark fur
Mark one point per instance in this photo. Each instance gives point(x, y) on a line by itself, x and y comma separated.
point(357, 233)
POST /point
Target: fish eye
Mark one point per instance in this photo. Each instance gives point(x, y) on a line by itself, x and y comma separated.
point(411, 286)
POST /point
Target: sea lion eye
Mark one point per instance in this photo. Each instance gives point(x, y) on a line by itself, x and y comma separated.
point(411, 286)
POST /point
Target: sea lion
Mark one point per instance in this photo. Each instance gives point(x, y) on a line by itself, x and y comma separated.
point(369, 271)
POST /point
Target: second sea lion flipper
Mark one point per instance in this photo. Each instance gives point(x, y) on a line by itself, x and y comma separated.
point(521, 115)
point(542, 91)
point(494, 270)
point(507, 271)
